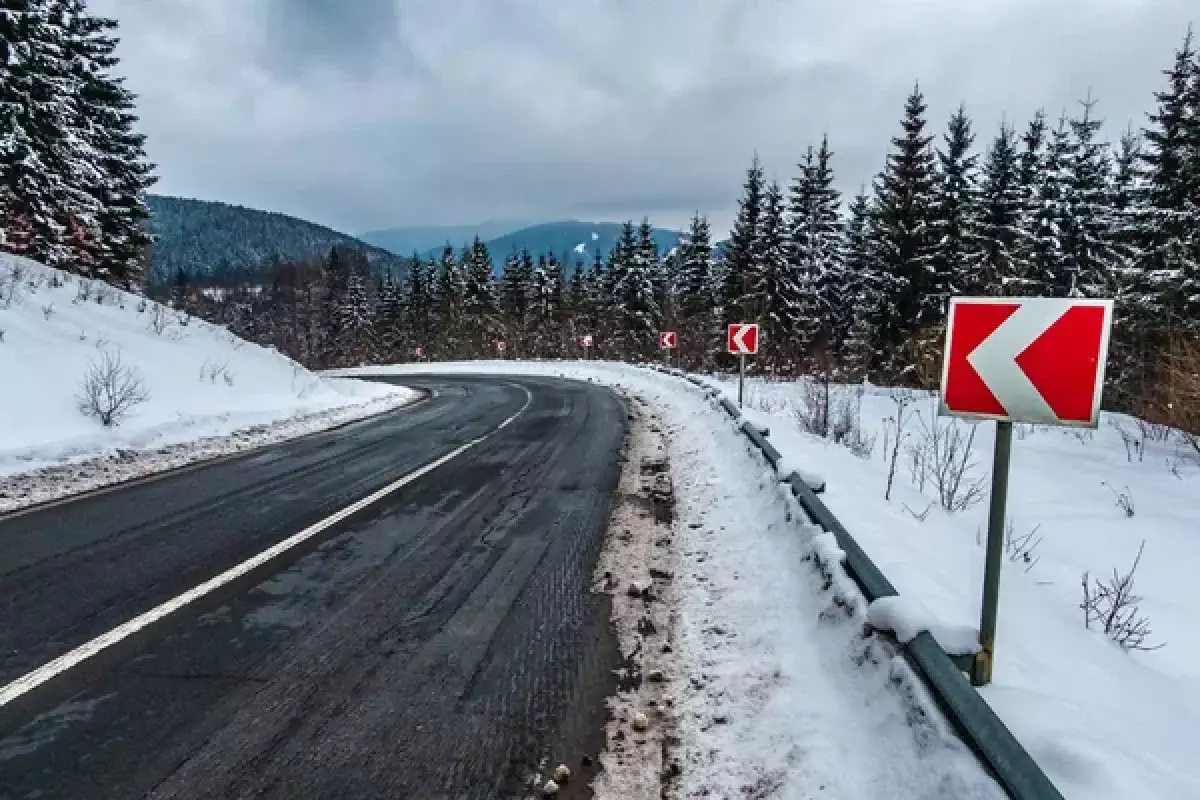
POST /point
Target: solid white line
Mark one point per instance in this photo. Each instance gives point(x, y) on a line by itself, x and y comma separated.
point(41, 675)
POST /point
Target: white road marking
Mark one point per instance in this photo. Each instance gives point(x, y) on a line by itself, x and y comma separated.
point(41, 675)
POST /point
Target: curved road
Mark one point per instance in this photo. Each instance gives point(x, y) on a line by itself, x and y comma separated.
point(440, 642)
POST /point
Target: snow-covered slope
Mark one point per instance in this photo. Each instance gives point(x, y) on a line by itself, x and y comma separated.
point(201, 382)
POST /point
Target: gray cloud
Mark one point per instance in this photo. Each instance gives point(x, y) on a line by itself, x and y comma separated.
point(368, 113)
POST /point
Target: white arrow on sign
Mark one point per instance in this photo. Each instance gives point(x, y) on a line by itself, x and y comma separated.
point(995, 359)
point(739, 339)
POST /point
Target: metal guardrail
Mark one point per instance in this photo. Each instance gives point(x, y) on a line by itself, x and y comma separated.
point(973, 719)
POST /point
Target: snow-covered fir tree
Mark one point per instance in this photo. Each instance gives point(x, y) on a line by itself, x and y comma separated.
point(481, 307)
point(419, 306)
point(774, 292)
point(816, 283)
point(1088, 226)
point(956, 221)
point(743, 257)
point(999, 217)
point(448, 291)
point(903, 242)
point(73, 171)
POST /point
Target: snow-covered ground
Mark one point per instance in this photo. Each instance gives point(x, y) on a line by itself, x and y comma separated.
point(207, 392)
point(778, 693)
point(1104, 724)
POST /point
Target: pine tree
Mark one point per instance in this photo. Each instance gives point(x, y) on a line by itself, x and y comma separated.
point(448, 292)
point(1087, 230)
point(774, 291)
point(389, 338)
point(1045, 270)
point(1033, 249)
point(864, 291)
point(634, 292)
point(40, 173)
point(999, 221)
point(816, 281)
point(695, 269)
point(955, 228)
point(105, 125)
point(481, 307)
point(903, 237)
point(743, 259)
point(418, 306)
point(1171, 233)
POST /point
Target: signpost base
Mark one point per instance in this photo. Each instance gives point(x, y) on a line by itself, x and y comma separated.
point(981, 669)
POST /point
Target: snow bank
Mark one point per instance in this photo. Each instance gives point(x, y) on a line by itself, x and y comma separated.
point(1103, 723)
point(202, 382)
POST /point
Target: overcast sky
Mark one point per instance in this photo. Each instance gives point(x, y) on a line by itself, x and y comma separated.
point(363, 114)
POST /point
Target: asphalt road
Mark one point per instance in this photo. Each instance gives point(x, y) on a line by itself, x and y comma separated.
point(439, 643)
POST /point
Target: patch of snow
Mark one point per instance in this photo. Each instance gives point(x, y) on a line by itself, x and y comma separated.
point(595, 236)
point(906, 618)
point(209, 392)
point(581, 248)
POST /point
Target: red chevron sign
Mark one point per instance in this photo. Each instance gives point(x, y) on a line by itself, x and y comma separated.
point(742, 339)
point(1037, 360)
point(667, 340)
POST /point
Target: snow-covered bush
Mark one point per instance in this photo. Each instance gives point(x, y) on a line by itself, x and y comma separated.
point(160, 320)
point(111, 389)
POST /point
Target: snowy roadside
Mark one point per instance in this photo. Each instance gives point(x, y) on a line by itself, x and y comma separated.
point(147, 457)
point(778, 694)
point(99, 386)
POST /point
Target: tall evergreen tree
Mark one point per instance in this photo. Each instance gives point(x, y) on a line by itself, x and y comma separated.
point(903, 237)
point(742, 262)
point(448, 290)
point(1087, 229)
point(695, 269)
point(956, 220)
point(774, 290)
point(481, 307)
point(999, 218)
point(864, 290)
point(1045, 270)
point(816, 282)
point(418, 306)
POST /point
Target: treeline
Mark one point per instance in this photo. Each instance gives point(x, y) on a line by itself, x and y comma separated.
point(859, 289)
point(73, 168)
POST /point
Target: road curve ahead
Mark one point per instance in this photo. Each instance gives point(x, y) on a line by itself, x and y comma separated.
point(438, 642)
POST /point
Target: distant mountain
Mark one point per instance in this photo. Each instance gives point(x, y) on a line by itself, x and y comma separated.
point(405, 241)
point(569, 240)
point(207, 239)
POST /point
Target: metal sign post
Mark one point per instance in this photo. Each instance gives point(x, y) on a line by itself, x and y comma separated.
point(981, 668)
point(1034, 359)
point(741, 378)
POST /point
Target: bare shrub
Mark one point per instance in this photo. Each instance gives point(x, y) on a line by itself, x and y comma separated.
point(84, 292)
point(947, 460)
point(160, 319)
point(1113, 607)
point(141, 306)
point(755, 398)
point(1124, 499)
point(211, 371)
point(103, 292)
point(895, 431)
point(812, 412)
point(1, 335)
point(47, 311)
point(11, 285)
point(1129, 438)
point(1022, 548)
point(111, 390)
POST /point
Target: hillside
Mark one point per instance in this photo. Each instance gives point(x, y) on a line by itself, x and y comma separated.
point(204, 391)
point(404, 241)
point(205, 238)
point(570, 240)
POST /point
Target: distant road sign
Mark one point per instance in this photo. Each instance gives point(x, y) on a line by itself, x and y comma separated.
point(668, 340)
point(1037, 360)
point(742, 338)
point(585, 340)
point(418, 352)
point(500, 346)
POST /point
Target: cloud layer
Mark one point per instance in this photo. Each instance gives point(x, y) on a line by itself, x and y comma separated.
point(363, 114)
